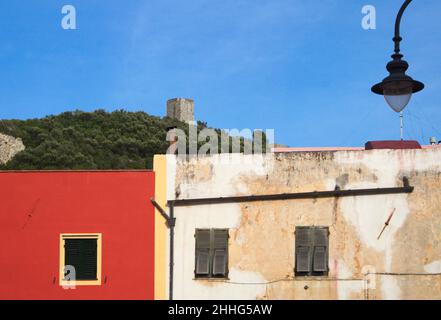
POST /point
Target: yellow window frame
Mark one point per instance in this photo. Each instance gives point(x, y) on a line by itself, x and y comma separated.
point(63, 237)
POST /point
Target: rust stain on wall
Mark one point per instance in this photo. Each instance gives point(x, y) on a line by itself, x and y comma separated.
point(418, 242)
point(268, 227)
point(263, 242)
point(194, 171)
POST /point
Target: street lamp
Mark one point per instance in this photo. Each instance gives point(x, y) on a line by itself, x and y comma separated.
point(398, 87)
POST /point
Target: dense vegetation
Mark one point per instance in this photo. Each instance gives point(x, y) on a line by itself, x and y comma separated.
point(90, 140)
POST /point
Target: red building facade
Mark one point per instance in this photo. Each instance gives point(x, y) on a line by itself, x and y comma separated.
point(43, 215)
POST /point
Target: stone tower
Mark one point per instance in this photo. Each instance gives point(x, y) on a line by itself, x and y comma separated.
point(181, 109)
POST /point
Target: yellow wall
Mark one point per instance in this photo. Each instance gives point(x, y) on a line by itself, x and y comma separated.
point(160, 168)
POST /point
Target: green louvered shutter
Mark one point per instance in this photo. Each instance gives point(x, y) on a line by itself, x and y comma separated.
point(82, 255)
point(220, 255)
point(321, 242)
point(202, 253)
point(303, 250)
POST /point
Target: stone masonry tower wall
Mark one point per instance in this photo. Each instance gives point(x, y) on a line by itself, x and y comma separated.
point(9, 147)
point(181, 109)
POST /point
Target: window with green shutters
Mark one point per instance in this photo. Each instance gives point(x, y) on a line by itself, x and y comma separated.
point(82, 255)
point(311, 251)
point(211, 253)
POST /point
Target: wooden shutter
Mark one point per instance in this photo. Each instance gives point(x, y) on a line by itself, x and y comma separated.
point(303, 259)
point(320, 262)
point(72, 255)
point(203, 263)
point(320, 259)
point(220, 240)
point(220, 263)
point(321, 237)
point(303, 249)
point(220, 256)
point(202, 252)
point(82, 255)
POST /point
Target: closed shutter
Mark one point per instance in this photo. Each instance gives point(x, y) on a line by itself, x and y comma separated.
point(220, 247)
point(72, 256)
point(321, 237)
point(82, 255)
point(89, 265)
point(303, 249)
point(220, 240)
point(203, 263)
point(320, 259)
point(320, 263)
point(321, 242)
point(202, 252)
point(303, 259)
point(220, 263)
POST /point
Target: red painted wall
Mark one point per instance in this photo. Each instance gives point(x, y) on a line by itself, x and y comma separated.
point(36, 207)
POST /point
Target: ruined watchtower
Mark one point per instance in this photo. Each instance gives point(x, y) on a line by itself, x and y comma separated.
point(181, 109)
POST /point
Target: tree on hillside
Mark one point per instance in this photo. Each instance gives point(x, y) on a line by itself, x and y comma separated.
point(91, 140)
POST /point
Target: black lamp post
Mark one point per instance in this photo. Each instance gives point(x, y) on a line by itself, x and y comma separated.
point(398, 87)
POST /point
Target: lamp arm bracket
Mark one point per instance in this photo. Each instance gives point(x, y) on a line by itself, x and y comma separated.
point(397, 39)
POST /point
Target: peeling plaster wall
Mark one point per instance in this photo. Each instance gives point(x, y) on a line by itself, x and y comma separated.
point(261, 248)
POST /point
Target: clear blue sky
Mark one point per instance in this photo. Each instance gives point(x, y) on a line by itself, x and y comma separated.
point(303, 68)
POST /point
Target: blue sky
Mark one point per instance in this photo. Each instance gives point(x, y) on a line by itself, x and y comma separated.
point(302, 68)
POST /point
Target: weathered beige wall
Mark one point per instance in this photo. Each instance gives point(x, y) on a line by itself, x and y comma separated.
point(262, 233)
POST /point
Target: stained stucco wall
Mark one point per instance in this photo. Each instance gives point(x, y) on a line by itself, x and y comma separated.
point(261, 249)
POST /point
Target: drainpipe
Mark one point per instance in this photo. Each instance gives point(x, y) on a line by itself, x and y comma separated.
point(171, 222)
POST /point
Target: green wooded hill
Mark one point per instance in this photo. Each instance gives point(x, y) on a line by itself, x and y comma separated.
point(90, 140)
